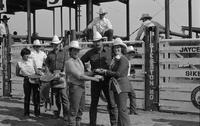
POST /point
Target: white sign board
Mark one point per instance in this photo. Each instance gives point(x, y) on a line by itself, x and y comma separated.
point(54, 3)
point(3, 7)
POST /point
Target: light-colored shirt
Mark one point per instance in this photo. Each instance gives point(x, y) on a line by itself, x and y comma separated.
point(102, 25)
point(2, 29)
point(74, 69)
point(26, 67)
point(39, 58)
point(140, 34)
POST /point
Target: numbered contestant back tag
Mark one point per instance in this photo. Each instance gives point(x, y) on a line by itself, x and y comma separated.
point(54, 3)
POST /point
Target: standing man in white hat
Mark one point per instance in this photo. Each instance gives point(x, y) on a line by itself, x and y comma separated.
point(147, 22)
point(100, 57)
point(55, 63)
point(102, 25)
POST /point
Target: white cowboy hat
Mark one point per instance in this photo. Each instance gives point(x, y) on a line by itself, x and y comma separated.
point(55, 40)
point(131, 49)
point(145, 16)
point(118, 41)
point(102, 11)
point(74, 44)
point(96, 36)
point(36, 42)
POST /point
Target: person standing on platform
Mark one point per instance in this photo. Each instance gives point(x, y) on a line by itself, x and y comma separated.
point(147, 22)
point(100, 57)
point(4, 29)
point(55, 63)
point(27, 68)
point(102, 25)
point(132, 96)
point(76, 81)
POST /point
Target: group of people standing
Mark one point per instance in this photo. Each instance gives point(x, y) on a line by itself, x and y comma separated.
point(110, 72)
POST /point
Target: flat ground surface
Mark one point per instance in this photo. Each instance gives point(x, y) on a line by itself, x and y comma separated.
point(11, 114)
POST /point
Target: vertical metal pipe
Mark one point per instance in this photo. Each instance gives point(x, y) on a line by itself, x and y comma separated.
point(89, 11)
point(127, 20)
point(70, 18)
point(29, 20)
point(54, 28)
point(190, 17)
point(34, 21)
point(61, 21)
point(167, 23)
point(76, 18)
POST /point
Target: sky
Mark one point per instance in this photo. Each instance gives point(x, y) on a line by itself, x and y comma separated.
point(116, 14)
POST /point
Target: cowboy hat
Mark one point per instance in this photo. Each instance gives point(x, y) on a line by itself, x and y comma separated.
point(145, 16)
point(74, 44)
point(36, 43)
point(5, 18)
point(97, 36)
point(102, 11)
point(55, 40)
point(118, 41)
point(131, 49)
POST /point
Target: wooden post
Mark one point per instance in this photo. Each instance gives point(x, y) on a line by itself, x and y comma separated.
point(190, 17)
point(127, 21)
point(61, 21)
point(29, 20)
point(167, 23)
point(54, 28)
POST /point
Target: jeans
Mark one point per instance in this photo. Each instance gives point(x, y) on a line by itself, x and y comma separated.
point(62, 99)
point(132, 98)
point(77, 103)
point(28, 87)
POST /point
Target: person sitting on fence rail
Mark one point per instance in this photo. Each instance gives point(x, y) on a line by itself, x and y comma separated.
point(76, 81)
point(27, 69)
point(132, 96)
point(102, 25)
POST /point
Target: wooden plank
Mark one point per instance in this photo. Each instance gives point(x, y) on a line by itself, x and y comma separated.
point(175, 95)
point(181, 61)
point(180, 49)
point(178, 106)
point(187, 73)
point(178, 86)
point(138, 85)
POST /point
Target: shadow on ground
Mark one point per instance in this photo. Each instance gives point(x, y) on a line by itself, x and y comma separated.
point(177, 122)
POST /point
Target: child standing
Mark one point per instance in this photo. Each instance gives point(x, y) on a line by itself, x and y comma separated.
point(27, 69)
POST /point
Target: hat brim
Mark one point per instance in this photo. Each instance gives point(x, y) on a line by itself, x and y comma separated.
point(57, 42)
point(79, 48)
point(4, 18)
point(121, 44)
point(102, 13)
point(142, 18)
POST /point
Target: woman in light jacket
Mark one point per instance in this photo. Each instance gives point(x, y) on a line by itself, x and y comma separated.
point(119, 83)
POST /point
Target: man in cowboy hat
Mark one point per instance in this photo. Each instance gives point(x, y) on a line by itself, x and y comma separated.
point(4, 30)
point(76, 81)
point(102, 25)
point(147, 22)
point(55, 63)
point(100, 57)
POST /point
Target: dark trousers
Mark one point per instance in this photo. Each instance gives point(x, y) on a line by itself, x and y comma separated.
point(132, 98)
point(77, 103)
point(109, 34)
point(96, 88)
point(62, 99)
point(28, 87)
point(121, 101)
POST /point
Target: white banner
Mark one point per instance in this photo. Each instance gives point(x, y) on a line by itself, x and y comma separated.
point(54, 3)
point(3, 7)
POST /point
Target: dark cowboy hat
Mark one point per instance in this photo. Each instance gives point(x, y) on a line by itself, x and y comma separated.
point(5, 18)
point(145, 16)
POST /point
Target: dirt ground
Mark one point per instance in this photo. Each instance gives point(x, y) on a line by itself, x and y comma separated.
point(11, 114)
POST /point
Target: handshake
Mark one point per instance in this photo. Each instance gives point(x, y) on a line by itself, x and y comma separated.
point(100, 71)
